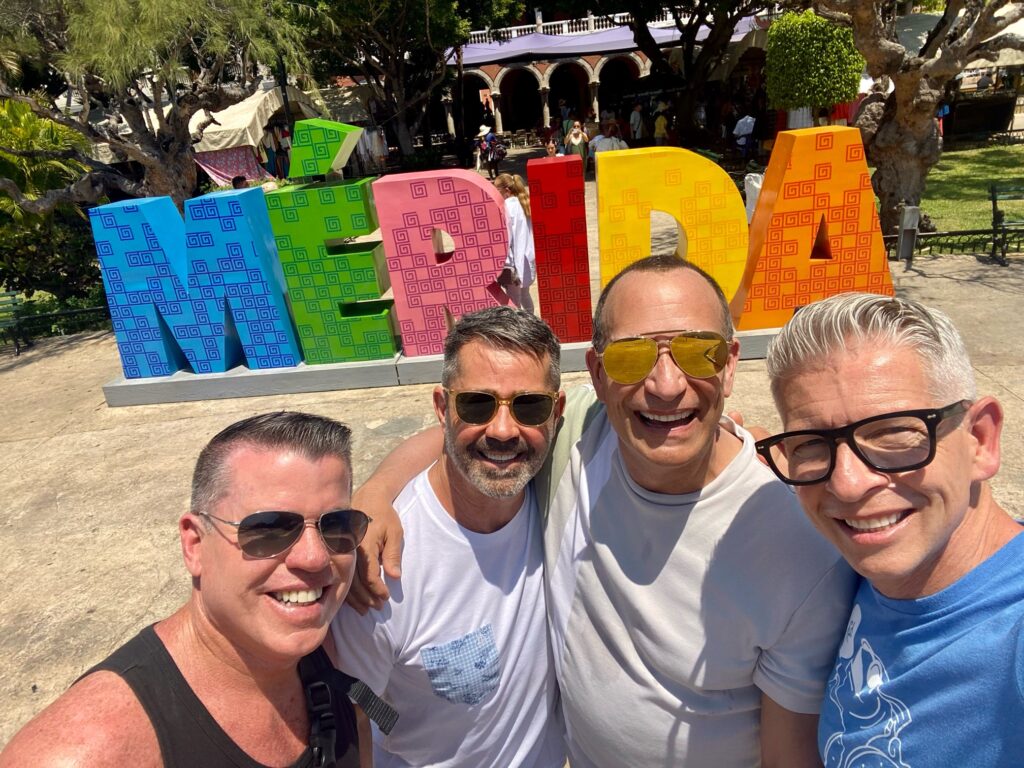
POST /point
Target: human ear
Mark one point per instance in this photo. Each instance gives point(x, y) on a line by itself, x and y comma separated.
point(190, 529)
point(984, 423)
point(594, 366)
point(440, 398)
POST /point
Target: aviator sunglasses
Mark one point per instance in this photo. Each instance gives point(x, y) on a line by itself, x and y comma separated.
point(700, 354)
point(530, 409)
point(268, 534)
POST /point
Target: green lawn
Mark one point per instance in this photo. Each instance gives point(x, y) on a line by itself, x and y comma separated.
point(956, 191)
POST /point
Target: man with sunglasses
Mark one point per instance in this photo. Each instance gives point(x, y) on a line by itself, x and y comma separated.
point(693, 610)
point(891, 450)
point(269, 542)
point(461, 650)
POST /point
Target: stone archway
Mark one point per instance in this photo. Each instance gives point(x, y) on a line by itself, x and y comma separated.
point(474, 84)
point(618, 76)
point(520, 98)
point(569, 81)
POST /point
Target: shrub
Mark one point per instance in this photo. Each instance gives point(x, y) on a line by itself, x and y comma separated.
point(810, 62)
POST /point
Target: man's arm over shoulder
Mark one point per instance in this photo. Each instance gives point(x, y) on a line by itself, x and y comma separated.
point(382, 544)
point(97, 722)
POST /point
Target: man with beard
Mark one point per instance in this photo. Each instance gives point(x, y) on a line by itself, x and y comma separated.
point(693, 610)
point(461, 649)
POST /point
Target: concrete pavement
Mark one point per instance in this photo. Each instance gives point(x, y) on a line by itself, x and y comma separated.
point(90, 496)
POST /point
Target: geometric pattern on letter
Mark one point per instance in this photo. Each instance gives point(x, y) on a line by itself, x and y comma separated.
point(327, 279)
point(697, 192)
point(204, 294)
point(814, 174)
point(559, 211)
point(410, 206)
point(321, 146)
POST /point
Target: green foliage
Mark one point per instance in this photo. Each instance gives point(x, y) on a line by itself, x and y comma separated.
point(20, 129)
point(53, 254)
point(35, 325)
point(400, 48)
point(124, 41)
point(810, 62)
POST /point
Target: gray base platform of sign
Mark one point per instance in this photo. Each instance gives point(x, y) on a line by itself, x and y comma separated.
point(241, 382)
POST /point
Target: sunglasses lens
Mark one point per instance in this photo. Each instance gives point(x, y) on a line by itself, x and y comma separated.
point(266, 534)
point(475, 407)
point(700, 355)
point(628, 361)
point(532, 409)
point(343, 529)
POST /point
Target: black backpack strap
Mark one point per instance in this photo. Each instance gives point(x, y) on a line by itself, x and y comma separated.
point(323, 728)
point(378, 710)
point(316, 668)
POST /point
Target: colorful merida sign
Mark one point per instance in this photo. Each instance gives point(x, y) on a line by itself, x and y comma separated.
point(271, 279)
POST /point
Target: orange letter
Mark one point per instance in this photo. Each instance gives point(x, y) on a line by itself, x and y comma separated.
point(815, 231)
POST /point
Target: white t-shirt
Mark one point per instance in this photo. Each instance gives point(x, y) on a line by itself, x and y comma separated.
point(520, 242)
point(671, 614)
point(461, 649)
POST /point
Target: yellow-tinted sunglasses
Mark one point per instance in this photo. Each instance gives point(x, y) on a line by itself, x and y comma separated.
point(700, 354)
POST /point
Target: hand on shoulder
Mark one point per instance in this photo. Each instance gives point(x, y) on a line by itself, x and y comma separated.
point(96, 722)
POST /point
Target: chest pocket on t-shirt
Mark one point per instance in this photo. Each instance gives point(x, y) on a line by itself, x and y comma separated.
point(465, 670)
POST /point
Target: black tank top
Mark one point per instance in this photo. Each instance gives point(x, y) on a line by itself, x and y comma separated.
point(187, 733)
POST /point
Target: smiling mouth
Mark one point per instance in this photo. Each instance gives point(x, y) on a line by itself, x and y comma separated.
point(667, 420)
point(500, 457)
point(875, 523)
point(298, 596)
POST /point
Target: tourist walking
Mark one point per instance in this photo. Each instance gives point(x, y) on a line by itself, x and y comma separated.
point(520, 260)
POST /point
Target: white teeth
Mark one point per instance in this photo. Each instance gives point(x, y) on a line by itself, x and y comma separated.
point(666, 417)
point(299, 596)
point(874, 523)
point(499, 456)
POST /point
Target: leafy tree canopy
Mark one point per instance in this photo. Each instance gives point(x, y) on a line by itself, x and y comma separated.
point(900, 130)
point(401, 48)
point(153, 63)
point(810, 62)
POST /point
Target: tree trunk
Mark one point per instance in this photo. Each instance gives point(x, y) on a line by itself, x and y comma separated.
point(404, 138)
point(175, 177)
point(902, 142)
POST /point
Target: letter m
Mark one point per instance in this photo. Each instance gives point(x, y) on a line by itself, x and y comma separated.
point(203, 294)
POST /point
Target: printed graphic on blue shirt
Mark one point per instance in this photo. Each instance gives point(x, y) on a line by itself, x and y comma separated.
point(465, 670)
point(865, 721)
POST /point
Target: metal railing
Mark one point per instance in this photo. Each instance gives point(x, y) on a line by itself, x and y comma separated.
point(580, 26)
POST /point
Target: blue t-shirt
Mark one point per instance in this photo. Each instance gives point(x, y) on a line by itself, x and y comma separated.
point(937, 681)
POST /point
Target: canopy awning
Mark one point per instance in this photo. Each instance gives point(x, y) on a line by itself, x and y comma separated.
point(242, 124)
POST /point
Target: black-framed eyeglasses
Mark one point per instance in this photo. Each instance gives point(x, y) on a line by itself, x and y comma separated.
point(268, 534)
point(530, 409)
point(890, 442)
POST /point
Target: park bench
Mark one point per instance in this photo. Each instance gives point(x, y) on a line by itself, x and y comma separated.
point(1002, 225)
point(9, 303)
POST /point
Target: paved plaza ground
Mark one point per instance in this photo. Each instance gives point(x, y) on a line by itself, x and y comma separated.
point(90, 495)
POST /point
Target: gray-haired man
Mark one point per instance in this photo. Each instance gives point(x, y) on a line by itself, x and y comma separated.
point(891, 450)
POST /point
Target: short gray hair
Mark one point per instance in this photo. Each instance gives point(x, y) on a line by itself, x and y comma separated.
point(821, 330)
point(505, 328)
point(659, 263)
point(315, 437)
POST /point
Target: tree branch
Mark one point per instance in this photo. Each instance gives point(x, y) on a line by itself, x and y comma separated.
point(89, 189)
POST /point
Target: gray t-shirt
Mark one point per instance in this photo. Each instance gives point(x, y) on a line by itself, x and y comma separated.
point(670, 615)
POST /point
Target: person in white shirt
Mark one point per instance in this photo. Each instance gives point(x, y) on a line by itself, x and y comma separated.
point(461, 650)
point(521, 259)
